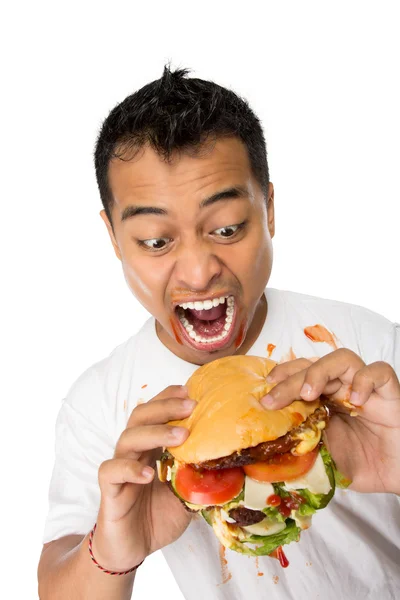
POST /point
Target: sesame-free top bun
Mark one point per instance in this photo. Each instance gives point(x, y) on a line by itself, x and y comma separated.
point(228, 416)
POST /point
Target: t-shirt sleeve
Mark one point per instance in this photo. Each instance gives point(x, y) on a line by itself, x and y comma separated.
point(391, 348)
point(82, 443)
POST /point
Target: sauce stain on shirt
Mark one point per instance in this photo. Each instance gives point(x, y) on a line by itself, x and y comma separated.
point(308, 564)
point(259, 573)
point(275, 579)
point(319, 333)
point(270, 349)
point(226, 575)
point(124, 404)
point(287, 357)
point(144, 386)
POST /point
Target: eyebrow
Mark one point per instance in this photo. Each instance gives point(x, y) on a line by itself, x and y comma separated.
point(230, 193)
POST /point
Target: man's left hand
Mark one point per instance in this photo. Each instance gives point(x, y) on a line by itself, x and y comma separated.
point(366, 447)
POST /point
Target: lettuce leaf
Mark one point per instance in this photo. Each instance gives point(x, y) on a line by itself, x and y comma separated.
point(266, 544)
point(305, 510)
point(273, 513)
point(235, 538)
point(341, 480)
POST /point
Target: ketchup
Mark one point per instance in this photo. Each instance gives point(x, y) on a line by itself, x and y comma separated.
point(274, 500)
point(282, 557)
point(290, 503)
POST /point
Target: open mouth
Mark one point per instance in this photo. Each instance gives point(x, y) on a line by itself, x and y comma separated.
point(208, 325)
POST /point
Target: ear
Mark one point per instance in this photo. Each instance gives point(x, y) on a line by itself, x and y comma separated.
point(111, 234)
point(271, 210)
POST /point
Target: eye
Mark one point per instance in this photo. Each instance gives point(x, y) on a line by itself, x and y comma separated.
point(154, 244)
point(229, 230)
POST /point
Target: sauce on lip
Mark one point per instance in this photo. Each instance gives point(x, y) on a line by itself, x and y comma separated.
point(241, 335)
point(175, 332)
point(319, 333)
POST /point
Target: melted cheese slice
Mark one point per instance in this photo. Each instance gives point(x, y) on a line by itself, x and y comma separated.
point(256, 493)
point(316, 480)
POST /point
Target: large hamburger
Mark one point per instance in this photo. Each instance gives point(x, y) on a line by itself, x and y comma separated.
point(256, 476)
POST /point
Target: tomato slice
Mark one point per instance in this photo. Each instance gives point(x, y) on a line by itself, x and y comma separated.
point(208, 487)
point(282, 467)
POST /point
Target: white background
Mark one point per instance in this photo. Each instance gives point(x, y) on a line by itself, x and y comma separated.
point(324, 79)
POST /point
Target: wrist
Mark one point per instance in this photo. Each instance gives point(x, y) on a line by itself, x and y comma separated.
point(105, 559)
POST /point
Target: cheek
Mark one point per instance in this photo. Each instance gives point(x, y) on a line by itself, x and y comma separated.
point(252, 263)
point(145, 280)
point(136, 282)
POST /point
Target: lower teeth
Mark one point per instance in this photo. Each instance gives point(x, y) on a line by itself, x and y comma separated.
point(227, 325)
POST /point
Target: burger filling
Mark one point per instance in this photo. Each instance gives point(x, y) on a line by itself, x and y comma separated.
point(299, 440)
point(260, 498)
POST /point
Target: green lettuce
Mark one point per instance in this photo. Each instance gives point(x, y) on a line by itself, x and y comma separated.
point(273, 513)
point(269, 543)
point(237, 539)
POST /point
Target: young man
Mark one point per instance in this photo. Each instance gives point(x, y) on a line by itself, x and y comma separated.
point(183, 176)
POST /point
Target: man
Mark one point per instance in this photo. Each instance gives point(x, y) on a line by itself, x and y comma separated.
point(183, 176)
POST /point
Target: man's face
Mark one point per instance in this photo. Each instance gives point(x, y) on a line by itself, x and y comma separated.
point(181, 244)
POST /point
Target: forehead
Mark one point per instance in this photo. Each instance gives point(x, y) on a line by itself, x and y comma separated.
point(148, 175)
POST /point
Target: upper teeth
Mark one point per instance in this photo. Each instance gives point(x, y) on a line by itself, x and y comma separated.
point(208, 304)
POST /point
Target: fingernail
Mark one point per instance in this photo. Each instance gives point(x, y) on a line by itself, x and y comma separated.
point(270, 379)
point(306, 390)
point(147, 472)
point(177, 432)
point(267, 401)
point(189, 404)
point(355, 398)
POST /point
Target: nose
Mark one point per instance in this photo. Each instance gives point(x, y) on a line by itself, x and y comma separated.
point(197, 267)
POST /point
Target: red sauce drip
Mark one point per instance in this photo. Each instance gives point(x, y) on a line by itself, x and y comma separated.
point(226, 575)
point(282, 557)
point(175, 332)
point(319, 333)
point(270, 349)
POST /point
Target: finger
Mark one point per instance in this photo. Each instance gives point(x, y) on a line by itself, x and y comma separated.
point(136, 440)
point(340, 366)
point(115, 472)
point(161, 411)
point(287, 391)
point(287, 369)
point(378, 377)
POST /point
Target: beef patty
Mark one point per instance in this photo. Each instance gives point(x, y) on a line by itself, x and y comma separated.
point(245, 516)
point(265, 450)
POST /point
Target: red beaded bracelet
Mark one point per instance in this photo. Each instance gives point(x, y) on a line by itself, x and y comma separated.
point(102, 568)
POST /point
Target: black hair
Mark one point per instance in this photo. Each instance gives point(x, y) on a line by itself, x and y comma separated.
point(177, 113)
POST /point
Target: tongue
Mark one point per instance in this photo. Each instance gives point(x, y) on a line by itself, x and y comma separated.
point(208, 315)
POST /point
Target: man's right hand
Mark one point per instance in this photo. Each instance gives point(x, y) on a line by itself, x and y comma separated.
point(139, 515)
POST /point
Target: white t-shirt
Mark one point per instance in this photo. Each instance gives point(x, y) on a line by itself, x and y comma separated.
point(352, 549)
